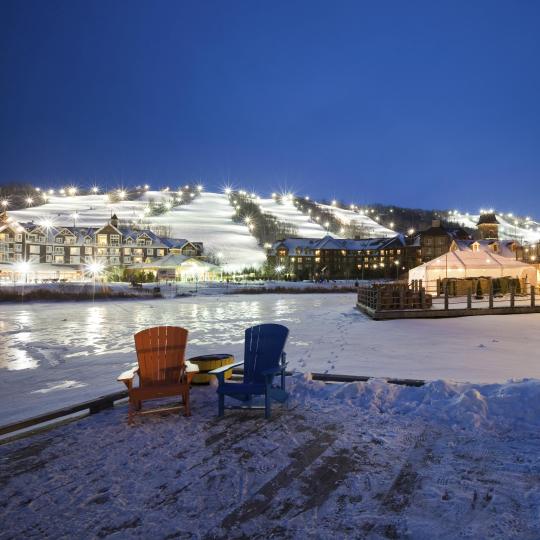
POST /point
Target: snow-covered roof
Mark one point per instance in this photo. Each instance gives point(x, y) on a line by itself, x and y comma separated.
point(329, 242)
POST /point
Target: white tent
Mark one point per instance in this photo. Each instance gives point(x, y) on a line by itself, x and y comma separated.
point(466, 264)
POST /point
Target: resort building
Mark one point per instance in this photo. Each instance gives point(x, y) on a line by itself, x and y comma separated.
point(436, 240)
point(333, 258)
point(61, 247)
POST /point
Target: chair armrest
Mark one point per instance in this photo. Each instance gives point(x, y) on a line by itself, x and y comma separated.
point(128, 375)
point(223, 369)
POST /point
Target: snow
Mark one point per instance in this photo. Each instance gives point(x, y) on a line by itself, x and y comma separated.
point(287, 212)
point(92, 210)
point(508, 230)
point(370, 226)
point(207, 219)
point(361, 460)
point(75, 351)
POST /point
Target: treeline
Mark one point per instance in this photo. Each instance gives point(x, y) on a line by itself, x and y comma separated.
point(265, 227)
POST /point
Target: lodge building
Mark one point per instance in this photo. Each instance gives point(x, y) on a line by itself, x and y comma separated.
point(109, 245)
point(334, 258)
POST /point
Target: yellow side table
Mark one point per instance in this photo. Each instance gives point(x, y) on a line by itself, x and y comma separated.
point(208, 362)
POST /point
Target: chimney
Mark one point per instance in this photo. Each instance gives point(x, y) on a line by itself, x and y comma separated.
point(114, 220)
point(436, 223)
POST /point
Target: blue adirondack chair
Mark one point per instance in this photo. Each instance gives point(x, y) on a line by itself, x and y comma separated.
point(264, 359)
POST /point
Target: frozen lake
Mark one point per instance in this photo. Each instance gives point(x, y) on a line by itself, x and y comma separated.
point(54, 354)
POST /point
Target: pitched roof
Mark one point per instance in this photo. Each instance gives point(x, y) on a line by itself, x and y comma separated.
point(489, 218)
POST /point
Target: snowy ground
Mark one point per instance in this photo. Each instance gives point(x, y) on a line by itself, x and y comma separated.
point(55, 354)
point(366, 460)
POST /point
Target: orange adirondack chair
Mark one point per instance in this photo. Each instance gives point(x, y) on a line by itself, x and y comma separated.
point(162, 369)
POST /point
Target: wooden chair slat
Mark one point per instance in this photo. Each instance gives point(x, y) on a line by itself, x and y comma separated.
point(161, 357)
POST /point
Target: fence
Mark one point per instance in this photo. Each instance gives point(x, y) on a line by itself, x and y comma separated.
point(451, 298)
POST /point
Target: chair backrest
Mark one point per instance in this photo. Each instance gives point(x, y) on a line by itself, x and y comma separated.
point(160, 352)
point(262, 350)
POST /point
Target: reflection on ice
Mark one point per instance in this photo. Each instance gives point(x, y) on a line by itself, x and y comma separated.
point(69, 332)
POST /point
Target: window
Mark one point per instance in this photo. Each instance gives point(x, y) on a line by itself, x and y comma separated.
point(34, 249)
point(115, 239)
point(18, 237)
point(160, 252)
point(59, 259)
point(75, 260)
point(88, 250)
point(59, 240)
point(18, 247)
point(48, 258)
point(48, 249)
point(75, 251)
point(127, 251)
point(59, 249)
point(102, 239)
point(102, 251)
point(127, 260)
point(87, 240)
point(149, 251)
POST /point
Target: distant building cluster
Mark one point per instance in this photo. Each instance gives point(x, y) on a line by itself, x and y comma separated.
point(371, 258)
point(109, 245)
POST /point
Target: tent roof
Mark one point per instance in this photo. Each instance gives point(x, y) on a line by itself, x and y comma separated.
point(471, 259)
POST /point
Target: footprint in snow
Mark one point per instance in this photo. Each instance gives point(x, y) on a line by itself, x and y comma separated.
point(481, 346)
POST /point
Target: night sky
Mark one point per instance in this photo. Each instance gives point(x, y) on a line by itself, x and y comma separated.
point(424, 104)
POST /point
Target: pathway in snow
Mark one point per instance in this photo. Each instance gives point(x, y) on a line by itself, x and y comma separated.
point(54, 354)
point(344, 461)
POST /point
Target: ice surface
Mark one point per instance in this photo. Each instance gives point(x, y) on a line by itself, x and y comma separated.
point(47, 350)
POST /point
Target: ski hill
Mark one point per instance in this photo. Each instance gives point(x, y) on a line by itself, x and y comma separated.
point(286, 211)
point(510, 228)
point(350, 217)
point(207, 219)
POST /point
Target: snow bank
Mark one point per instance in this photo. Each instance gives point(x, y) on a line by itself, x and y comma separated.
point(455, 405)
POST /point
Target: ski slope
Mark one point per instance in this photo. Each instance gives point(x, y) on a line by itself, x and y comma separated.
point(510, 228)
point(208, 219)
point(81, 210)
point(348, 217)
point(286, 212)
